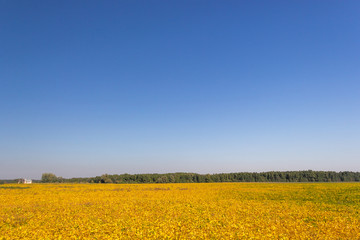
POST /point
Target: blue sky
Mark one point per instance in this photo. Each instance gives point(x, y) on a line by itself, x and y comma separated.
point(93, 87)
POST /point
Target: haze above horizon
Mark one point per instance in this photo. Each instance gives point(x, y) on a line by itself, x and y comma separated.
point(92, 87)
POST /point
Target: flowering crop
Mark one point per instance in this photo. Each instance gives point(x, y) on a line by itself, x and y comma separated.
point(180, 211)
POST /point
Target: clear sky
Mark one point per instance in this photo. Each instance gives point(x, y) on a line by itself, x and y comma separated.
point(94, 87)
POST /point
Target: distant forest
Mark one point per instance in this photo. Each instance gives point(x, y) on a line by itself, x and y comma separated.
point(290, 176)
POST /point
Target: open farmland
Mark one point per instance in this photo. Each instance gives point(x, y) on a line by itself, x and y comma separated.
point(180, 211)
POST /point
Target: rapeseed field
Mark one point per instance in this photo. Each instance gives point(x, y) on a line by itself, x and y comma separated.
point(180, 211)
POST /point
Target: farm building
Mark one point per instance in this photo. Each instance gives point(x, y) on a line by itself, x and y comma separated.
point(25, 181)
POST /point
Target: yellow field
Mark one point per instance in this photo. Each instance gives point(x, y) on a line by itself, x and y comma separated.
point(180, 211)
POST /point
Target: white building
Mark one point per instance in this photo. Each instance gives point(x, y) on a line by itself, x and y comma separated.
point(25, 181)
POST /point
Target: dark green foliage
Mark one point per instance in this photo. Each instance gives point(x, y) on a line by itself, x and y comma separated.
point(5, 181)
point(51, 178)
point(290, 176)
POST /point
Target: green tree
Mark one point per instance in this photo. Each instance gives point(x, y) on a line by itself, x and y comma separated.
point(105, 178)
point(49, 178)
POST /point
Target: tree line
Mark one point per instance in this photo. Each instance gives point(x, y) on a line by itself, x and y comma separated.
point(289, 176)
